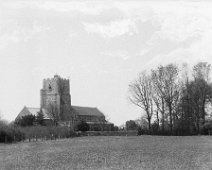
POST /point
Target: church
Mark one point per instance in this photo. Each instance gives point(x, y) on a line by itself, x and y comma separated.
point(55, 103)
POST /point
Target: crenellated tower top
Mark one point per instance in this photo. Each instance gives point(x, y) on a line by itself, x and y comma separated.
point(56, 85)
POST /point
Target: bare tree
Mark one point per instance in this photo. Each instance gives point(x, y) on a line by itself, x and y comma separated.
point(195, 96)
point(160, 109)
point(184, 101)
point(142, 122)
point(177, 100)
point(202, 71)
point(159, 93)
point(199, 93)
point(141, 95)
point(53, 112)
point(166, 85)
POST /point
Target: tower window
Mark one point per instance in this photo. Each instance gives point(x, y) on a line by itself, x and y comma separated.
point(50, 87)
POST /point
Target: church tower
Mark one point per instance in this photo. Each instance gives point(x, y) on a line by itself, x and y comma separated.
point(55, 94)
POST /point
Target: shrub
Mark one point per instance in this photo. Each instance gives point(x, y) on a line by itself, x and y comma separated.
point(47, 132)
point(115, 128)
point(140, 131)
point(27, 120)
point(10, 133)
point(131, 125)
point(83, 126)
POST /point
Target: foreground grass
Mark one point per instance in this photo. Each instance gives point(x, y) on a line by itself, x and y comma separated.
point(143, 152)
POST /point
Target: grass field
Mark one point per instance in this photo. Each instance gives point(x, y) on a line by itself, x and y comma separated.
point(143, 152)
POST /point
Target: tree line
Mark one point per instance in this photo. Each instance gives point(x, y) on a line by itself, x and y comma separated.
point(174, 100)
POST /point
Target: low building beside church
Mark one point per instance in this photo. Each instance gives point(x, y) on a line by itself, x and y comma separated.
point(55, 99)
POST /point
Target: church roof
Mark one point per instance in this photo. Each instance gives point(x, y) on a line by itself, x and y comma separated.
point(31, 111)
point(81, 111)
point(87, 111)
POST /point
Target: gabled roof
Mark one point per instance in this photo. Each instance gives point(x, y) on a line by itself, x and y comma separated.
point(31, 111)
point(87, 111)
point(81, 111)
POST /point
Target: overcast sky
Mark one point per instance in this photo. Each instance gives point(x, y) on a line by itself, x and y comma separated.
point(101, 46)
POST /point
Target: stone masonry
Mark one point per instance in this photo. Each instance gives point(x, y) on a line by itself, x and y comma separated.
point(56, 93)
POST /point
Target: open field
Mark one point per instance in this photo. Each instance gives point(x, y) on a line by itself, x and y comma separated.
point(143, 152)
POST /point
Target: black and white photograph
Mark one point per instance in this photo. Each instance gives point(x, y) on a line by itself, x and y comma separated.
point(105, 85)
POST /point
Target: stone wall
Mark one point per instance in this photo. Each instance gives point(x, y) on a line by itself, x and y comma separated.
point(56, 92)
